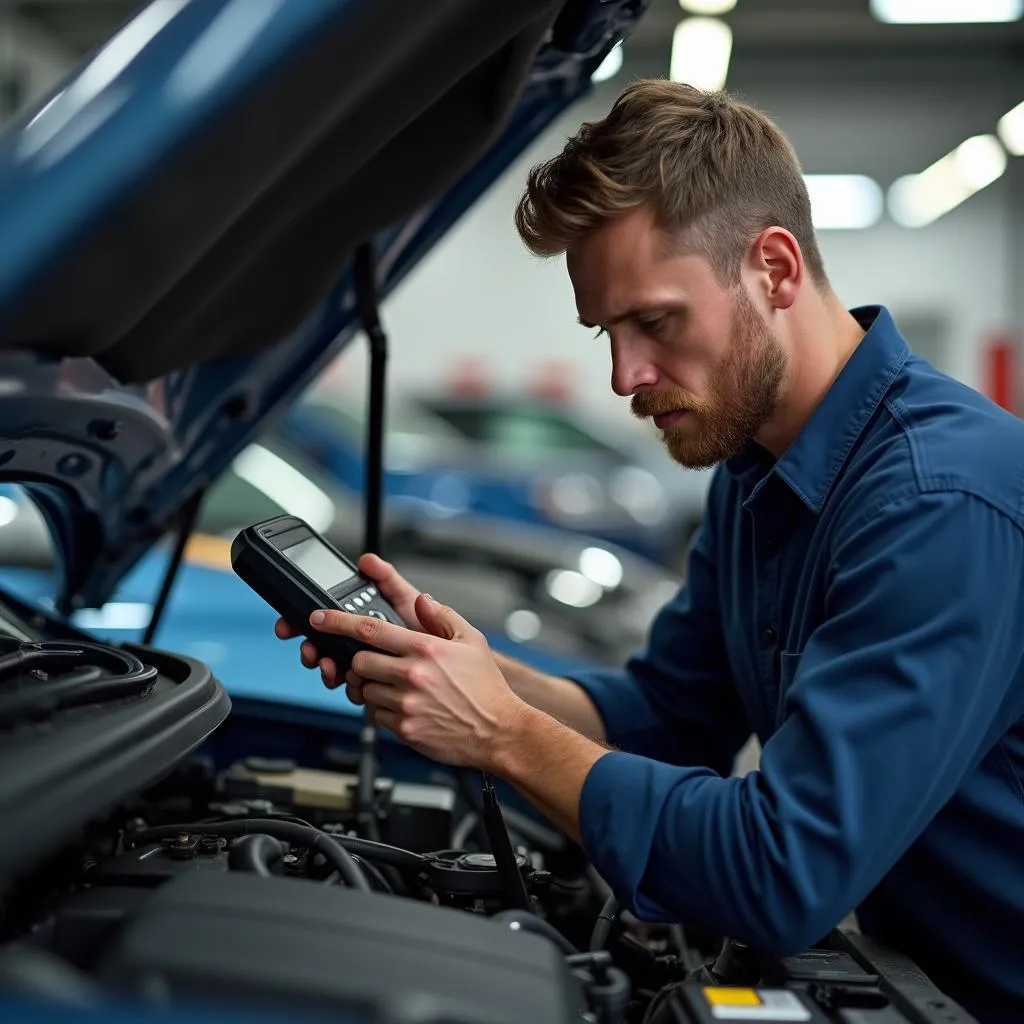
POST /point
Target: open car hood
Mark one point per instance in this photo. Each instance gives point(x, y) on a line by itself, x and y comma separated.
point(180, 218)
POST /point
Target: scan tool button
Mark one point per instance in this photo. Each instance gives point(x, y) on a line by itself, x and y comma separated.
point(372, 591)
point(366, 595)
point(350, 607)
point(357, 601)
point(377, 615)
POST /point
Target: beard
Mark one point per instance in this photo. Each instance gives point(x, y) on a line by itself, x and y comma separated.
point(744, 395)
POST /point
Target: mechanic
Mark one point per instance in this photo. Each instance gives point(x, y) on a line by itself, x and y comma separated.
point(854, 597)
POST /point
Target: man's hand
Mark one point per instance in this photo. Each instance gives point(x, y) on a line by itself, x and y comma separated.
point(394, 588)
point(439, 689)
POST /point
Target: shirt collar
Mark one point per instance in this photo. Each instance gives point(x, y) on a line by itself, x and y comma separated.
point(812, 462)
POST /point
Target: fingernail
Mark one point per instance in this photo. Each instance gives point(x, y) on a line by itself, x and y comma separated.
point(316, 618)
point(430, 599)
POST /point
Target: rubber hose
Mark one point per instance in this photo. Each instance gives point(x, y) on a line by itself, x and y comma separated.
point(523, 920)
point(257, 854)
point(603, 924)
point(333, 850)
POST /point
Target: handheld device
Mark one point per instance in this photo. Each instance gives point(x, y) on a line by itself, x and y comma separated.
point(296, 571)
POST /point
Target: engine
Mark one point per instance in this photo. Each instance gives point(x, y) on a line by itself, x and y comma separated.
point(149, 856)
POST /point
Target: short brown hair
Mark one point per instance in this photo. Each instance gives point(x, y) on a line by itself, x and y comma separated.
point(716, 171)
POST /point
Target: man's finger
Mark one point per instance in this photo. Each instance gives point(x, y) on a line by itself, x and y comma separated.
point(329, 673)
point(443, 621)
point(284, 630)
point(379, 668)
point(386, 719)
point(391, 583)
point(382, 696)
point(354, 692)
point(308, 655)
point(383, 635)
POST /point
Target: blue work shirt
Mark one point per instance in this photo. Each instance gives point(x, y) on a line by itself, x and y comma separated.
point(858, 604)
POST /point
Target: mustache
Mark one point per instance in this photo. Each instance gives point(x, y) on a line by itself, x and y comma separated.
point(645, 404)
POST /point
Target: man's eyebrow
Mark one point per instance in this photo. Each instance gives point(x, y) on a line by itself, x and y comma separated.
point(636, 311)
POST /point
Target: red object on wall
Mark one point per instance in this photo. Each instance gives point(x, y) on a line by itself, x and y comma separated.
point(1002, 360)
point(470, 379)
point(552, 382)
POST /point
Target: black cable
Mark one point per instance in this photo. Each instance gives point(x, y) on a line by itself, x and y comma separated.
point(603, 924)
point(536, 835)
point(512, 882)
point(524, 920)
point(187, 522)
point(272, 815)
point(690, 961)
point(333, 849)
point(465, 828)
point(103, 674)
point(374, 875)
point(369, 313)
point(256, 853)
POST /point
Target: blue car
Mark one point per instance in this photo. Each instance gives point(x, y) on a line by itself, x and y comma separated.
point(195, 223)
point(511, 458)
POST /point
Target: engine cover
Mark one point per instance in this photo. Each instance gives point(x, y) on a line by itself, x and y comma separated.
point(308, 947)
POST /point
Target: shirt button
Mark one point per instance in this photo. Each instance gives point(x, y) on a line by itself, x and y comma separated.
point(769, 636)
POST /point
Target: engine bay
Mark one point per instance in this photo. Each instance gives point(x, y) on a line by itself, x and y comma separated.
point(159, 850)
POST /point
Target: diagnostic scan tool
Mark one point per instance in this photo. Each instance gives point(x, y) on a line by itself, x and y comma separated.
point(296, 572)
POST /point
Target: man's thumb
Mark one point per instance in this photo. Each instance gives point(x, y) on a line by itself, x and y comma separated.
point(439, 619)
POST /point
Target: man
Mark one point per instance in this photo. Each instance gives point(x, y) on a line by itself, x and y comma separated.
point(854, 598)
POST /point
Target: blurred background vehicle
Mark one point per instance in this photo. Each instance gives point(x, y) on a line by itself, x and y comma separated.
point(514, 458)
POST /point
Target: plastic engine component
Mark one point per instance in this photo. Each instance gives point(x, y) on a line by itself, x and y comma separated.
point(297, 944)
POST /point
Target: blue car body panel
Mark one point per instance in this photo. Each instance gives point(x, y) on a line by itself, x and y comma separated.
point(62, 166)
point(214, 617)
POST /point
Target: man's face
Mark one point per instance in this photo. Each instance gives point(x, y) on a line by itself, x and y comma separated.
point(690, 353)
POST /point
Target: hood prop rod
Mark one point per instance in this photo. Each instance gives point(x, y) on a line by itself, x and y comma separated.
point(186, 524)
point(369, 315)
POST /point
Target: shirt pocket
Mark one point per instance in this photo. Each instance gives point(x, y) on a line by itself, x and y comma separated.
point(789, 662)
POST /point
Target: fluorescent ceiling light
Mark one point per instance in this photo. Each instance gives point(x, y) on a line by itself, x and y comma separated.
point(844, 202)
point(610, 66)
point(946, 12)
point(701, 49)
point(708, 7)
point(919, 199)
point(1011, 130)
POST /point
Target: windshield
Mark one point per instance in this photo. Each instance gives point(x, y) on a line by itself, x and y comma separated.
point(522, 431)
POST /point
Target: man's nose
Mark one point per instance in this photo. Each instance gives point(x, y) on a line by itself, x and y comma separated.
point(630, 371)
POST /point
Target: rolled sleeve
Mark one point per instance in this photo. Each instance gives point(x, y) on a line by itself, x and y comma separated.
point(894, 700)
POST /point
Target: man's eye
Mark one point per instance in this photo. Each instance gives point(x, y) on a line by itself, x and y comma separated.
point(651, 326)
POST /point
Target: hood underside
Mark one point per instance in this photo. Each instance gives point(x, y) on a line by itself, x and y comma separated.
point(180, 218)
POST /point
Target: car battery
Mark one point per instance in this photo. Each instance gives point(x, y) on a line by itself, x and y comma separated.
point(693, 1003)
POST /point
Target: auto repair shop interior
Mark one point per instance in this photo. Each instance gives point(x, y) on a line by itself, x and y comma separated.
point(258, 262)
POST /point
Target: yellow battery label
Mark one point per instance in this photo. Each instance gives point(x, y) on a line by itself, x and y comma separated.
point(749, 1004)
point(732, 997)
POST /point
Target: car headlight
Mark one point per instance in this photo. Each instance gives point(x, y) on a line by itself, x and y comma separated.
point(601, 566)
point(640, 493)
point(572, 496)
point(573, 588)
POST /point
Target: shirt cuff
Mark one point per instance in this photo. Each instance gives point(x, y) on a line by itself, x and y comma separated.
point(620, 816)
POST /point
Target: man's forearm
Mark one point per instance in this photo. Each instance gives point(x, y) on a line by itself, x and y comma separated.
point(560, 698)
point(548, 762)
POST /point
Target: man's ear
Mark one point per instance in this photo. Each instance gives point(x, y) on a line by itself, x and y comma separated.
point(779, 266)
